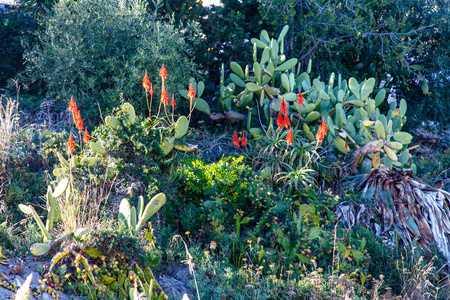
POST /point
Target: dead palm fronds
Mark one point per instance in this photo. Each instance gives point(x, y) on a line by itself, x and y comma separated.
point(399, 203)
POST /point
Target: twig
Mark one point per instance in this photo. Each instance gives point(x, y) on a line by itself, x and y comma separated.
point(189, 262)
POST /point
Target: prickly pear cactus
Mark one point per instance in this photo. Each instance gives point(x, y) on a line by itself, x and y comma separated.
point(199, 103)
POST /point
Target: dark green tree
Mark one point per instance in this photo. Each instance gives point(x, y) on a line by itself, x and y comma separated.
point(400, 43)
point(16, 28)
point(97, 52)
point(227, 32)
point(179, 11)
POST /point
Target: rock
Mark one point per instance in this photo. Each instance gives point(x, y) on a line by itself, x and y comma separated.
point(4, 293)
point(173, 288)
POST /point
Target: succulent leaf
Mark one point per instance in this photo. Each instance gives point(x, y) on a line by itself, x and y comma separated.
point(152, 207)
point(39, 249)
point(181, 127)
point(367, 88)
point(236, 68)
point(98, 148)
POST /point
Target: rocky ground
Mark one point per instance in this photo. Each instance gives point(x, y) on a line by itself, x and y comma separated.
point(174, 282)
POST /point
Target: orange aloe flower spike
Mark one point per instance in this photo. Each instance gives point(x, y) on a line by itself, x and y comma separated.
point(191, 92)
point(72, 105)
point(70, 144)
point(290, 137)
point(283, 107)
point(300, 99)
point(86, 136)
point(244, 141)
point(151, 89)
point(146, 82)
point(236, 140)
point(322, 132)
point(164, 97)
point(280, 120)
point(172, 103)
point(286, 122)
point(163, 72)
point(78, 121)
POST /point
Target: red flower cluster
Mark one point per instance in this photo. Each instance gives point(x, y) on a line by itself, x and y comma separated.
point(290, 137)
point(70, 144)
point(164, 96)
point(146, 82)
point(322, 132)
point(163, 73)
point(236, 140)
point(300, 99)
point(86, 136)
point(285, 122)
point(283, 107)
point(191, 92)
point(172, 103)
point(151, 89)
point(76, 115)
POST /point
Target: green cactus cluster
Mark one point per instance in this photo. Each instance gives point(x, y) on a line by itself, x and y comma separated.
point(345, 106)
point(135, 220)
point(352, 114)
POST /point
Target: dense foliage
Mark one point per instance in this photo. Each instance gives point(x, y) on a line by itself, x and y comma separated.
point(96, 51)
point(14, 27)
point(276, 190)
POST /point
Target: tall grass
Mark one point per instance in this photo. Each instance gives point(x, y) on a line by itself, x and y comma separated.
point(8, 127)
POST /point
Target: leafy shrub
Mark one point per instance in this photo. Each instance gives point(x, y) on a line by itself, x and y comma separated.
point(225, 187)
point(98, 50)
point(15, 27)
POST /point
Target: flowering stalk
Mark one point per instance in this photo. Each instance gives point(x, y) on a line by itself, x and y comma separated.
point(86, 136)
point(286, 122)
point(283, 107)
point(191, 95)
point(244, 141)
point(76, 118)
point(173, 106)
point(300, 99)
point(290, 137)
point(70, 144)
point(236, 140)
point(147, 85)
point(164, 95)
point(321, 133)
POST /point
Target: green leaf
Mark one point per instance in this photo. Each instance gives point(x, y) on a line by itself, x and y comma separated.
point(424, 86)
point(264, 36)
point(200, 89)
point(258, 43)
point(313, 233)
point(403, 108)
point(236, 68)
point(283, 33)
point(379, 98)
point(287, 65)
point(39, 249)
point(253, 87)
point(201, 105)
point(312, 116)
point(354, 87)
point(367, 88)
point(61, 187)
point(265, 56)
point(403, 137)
